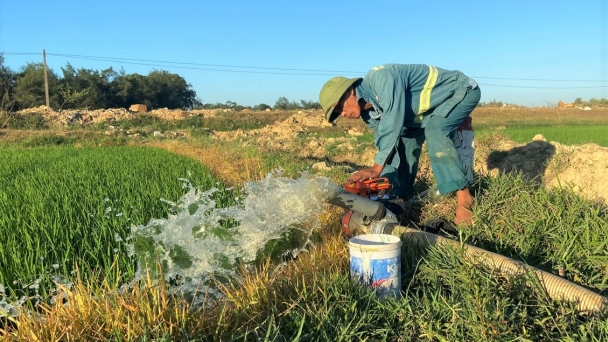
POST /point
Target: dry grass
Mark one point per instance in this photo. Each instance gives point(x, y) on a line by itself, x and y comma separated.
point(227, 162)
point(98, 313)
point(538, 116)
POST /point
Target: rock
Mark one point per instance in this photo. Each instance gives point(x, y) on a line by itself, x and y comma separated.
point(321, 166)
point(314, 144)
point(539, 137)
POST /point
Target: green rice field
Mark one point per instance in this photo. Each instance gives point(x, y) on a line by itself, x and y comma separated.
point(70, 207)
point(567, 135)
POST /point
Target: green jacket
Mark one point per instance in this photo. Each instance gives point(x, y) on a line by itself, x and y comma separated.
point(403, 95)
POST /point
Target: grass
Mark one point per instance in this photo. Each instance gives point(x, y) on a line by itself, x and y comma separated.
point(505, 117)
point(445, 297)
point(219, 123)
point(566, 233)
point(314, 299)
point(566, 126)
point(567, 135)
point(63, 207)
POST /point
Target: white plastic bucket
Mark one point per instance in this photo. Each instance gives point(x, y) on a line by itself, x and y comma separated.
point(375, 261)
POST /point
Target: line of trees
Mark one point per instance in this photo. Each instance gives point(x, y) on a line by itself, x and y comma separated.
point(92, 89)
point(579, 102)
point(593, 102)
point(282, 103)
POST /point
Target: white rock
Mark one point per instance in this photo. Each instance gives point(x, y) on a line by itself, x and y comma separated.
point(539, 137)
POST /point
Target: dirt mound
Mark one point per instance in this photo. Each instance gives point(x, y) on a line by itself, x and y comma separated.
point(84, 117)
point(178, 114)
point(284, 130)
point(584, 168)
point(283, 136)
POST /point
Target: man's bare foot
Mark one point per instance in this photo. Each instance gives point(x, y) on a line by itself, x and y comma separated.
point(464, 214)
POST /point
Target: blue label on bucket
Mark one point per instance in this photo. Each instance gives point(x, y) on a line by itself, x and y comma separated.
point(381, 274)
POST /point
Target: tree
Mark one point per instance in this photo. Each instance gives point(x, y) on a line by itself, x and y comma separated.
point(261, 107)
point(29, 88)
point(7, 86)
point(71, 97)
point(198, 103)
point(164, 89)
point(87, 88)
point(94, 89)
point(130, 89)
point(282, 103)
point(310, 104)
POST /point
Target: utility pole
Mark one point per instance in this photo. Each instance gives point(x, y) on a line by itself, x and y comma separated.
point(46, 79)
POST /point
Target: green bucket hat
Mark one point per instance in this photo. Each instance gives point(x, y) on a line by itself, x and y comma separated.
point(331, 93)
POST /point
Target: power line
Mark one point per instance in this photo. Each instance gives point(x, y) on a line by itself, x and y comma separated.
point(205, 69)
point(528, 87)
point(536, 79)
point(147, 62)
point(204, 64)
point(289, 71)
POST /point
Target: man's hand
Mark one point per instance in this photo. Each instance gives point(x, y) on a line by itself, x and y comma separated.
point(365, 174)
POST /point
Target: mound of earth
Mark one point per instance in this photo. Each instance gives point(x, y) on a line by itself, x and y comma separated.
point(584, 168)
point(84, 117)
point(283, 134)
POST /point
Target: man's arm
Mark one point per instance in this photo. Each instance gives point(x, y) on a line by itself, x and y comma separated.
point(389, 87)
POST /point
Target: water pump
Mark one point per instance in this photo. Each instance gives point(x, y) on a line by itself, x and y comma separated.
point(370, 208)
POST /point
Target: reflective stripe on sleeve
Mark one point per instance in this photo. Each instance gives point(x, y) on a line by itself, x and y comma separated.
point(425, 94)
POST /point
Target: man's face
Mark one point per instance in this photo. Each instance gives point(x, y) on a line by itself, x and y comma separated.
point(348, 106)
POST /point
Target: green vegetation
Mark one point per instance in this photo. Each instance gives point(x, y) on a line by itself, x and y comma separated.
point(92, 89)
point(109, 88)
point(568, 135)
point(220, 123)
point(68, 206)
point(26, 121)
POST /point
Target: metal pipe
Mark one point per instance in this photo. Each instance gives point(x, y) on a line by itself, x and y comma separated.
point(374, 210)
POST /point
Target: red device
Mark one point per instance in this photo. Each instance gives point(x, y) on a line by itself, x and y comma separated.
point(374, 188)
point(369, 188)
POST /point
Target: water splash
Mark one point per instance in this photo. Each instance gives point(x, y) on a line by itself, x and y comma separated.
point(202, 239)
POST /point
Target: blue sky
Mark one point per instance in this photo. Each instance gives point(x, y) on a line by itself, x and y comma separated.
point(510, 47)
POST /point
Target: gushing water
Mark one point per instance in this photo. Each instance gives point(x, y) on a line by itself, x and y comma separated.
point(202, 239)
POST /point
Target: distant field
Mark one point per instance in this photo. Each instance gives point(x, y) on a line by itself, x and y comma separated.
point(568, 135)
point(484, 118)
point(565, 126)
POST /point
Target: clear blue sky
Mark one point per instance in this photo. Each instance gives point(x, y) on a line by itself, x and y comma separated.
point(488, 40)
